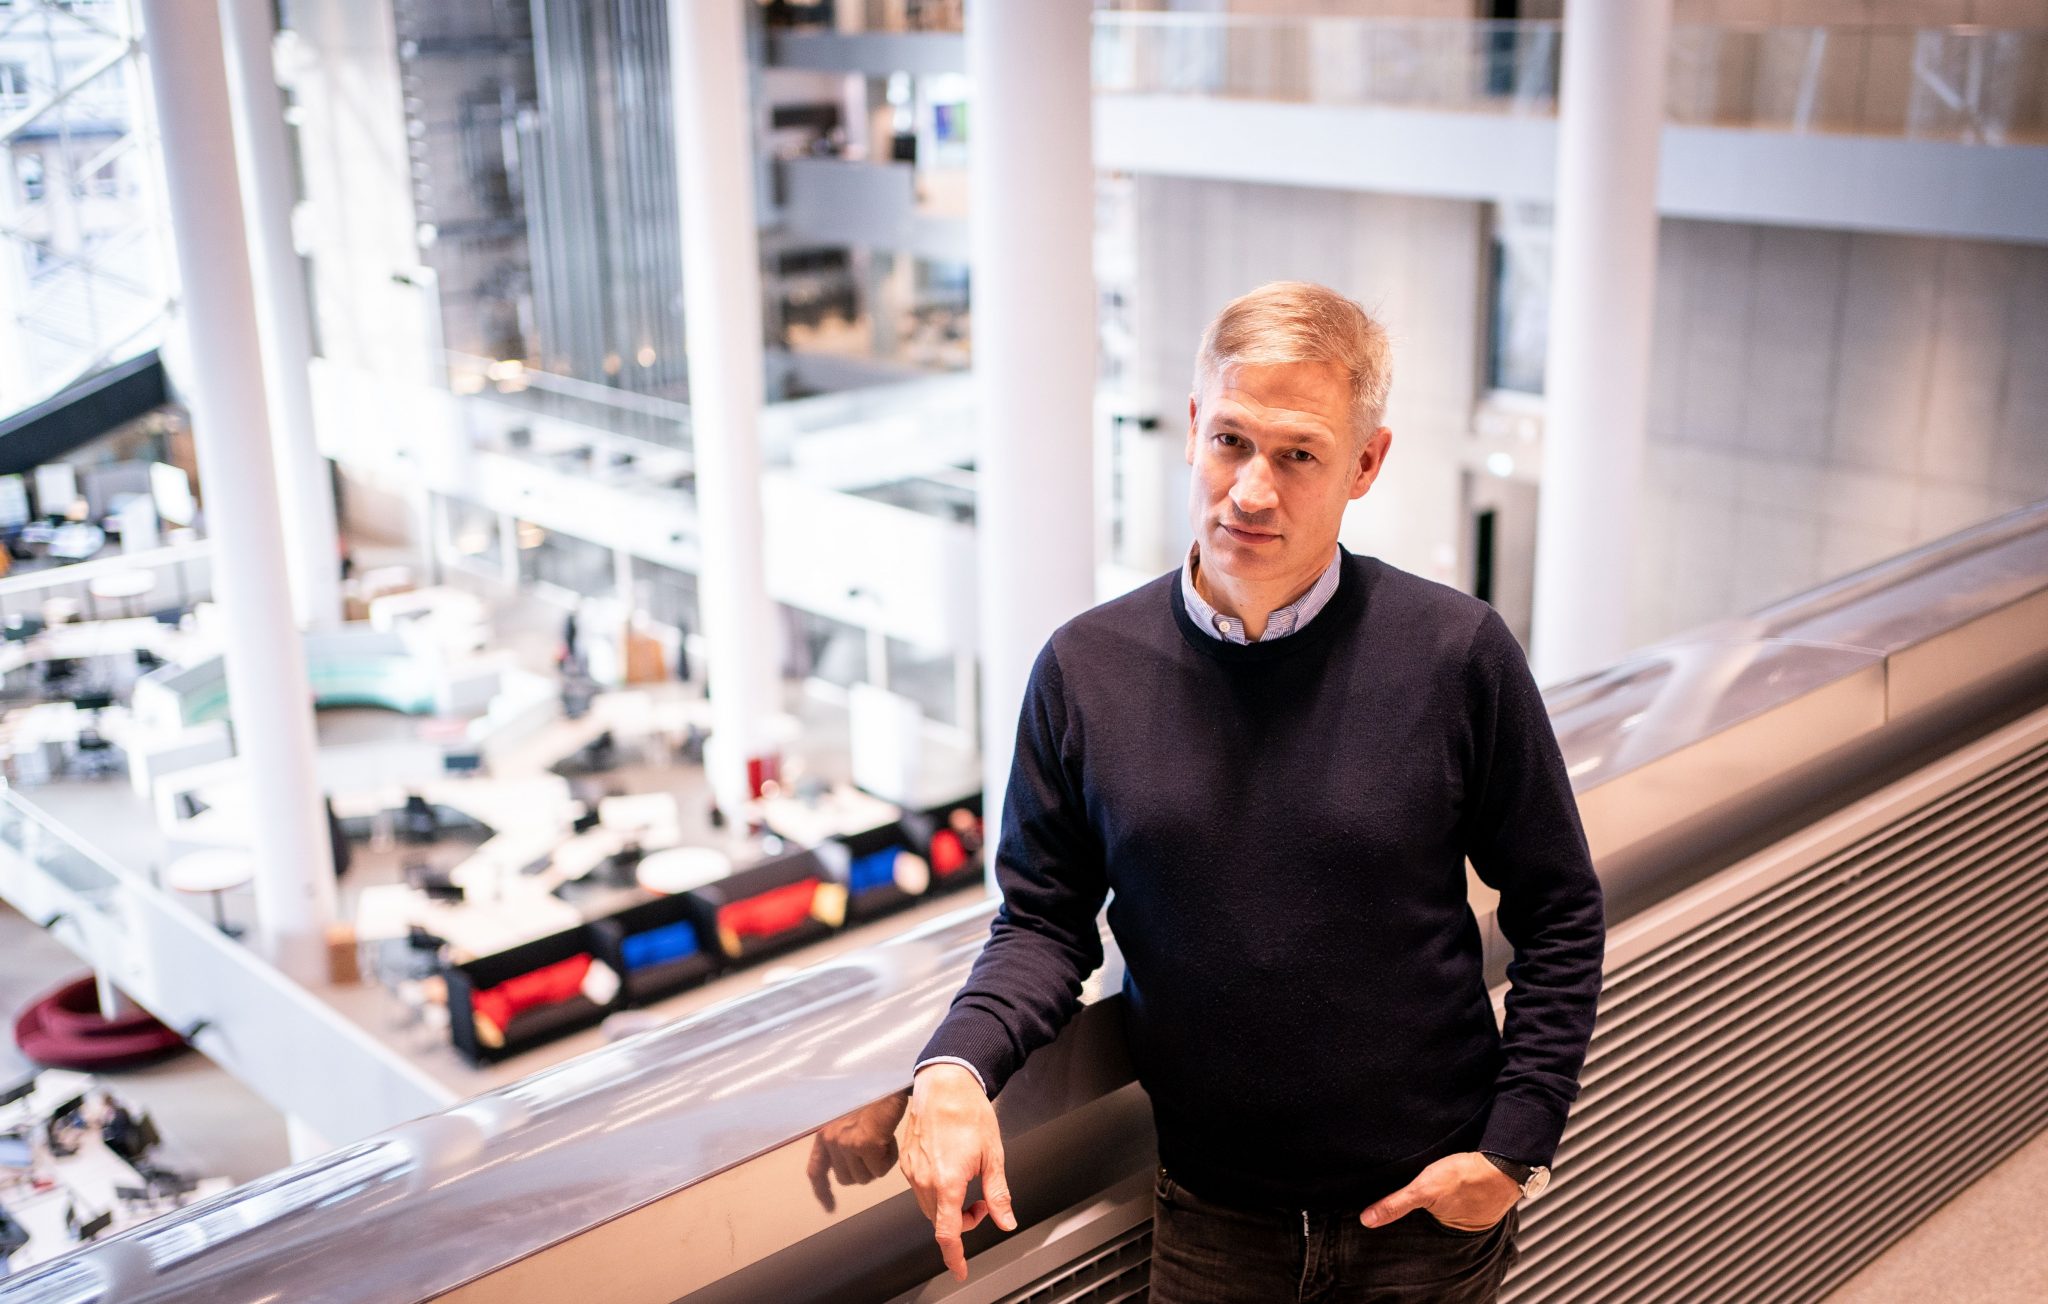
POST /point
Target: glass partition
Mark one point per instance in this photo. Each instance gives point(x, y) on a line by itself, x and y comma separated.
point(83, 231)
point(1974, 84)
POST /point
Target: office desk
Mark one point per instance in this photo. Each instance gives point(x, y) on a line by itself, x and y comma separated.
point(841, 811)
point(86, 640)
point(473, 927)
point(87, 1179)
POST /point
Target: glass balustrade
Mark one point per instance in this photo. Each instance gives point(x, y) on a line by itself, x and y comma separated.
point(1965, 83)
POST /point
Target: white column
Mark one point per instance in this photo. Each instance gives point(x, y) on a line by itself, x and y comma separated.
point(263, 156)
point(1603, 282)
point(508, 550)
point(622, 580)
point(1031, 188)
point(428, 526)
point(722, 316)
point(268, 691)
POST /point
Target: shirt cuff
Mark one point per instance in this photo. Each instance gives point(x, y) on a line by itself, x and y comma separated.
point(952, 1059)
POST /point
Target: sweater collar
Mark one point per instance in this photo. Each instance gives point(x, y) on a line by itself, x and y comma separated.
point(1353, 580)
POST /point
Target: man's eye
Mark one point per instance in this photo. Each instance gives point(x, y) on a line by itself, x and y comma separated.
point(1229, 441)
point(1302, 455)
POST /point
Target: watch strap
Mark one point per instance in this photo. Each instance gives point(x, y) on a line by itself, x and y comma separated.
point(1520, 1172)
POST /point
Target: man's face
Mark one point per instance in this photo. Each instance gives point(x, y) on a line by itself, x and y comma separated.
point(1276, 456)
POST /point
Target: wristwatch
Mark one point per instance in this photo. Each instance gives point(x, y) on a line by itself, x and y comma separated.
point(1532, 1178)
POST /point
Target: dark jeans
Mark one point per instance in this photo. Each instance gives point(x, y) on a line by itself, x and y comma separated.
point(1205, 1253)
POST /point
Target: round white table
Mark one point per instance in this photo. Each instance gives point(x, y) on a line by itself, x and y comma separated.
point(122, 586)
point(678, 869)
point(213, 871)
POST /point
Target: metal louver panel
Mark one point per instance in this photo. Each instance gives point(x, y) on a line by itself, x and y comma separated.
point(1796, 1061)
point(1118, 1270)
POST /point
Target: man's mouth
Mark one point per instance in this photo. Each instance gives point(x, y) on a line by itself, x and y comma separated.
point(1249, 536)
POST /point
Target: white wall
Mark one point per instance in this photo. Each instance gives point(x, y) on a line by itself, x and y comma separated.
point(341, 61)
point(1821, 400)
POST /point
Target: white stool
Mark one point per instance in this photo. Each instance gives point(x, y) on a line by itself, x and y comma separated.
point(123, 586)
point(214, 871)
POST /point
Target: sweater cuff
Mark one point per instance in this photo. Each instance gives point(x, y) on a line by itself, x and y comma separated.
point(977, 1039)
point(1522, 1129)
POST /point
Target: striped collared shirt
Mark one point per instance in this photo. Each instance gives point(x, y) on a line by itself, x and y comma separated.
point(1288, 620)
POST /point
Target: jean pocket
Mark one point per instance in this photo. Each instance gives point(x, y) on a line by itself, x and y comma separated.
point(1470, 1232)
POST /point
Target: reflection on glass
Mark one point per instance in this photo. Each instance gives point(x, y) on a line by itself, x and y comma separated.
point(856, 1148)
point(177, 1237)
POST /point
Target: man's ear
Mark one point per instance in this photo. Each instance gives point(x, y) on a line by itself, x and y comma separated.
point(1372, 458)
point(1193, 406)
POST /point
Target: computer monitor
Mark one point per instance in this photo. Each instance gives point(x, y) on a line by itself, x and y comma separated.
point(172, 489)
point(135, 519)
point(56, 489)
point(14, 509)
point(106, 485)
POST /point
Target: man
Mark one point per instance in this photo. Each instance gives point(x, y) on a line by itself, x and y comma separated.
point(1279, 760)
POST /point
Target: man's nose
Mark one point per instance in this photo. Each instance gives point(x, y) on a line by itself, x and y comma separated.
point(1253, 491)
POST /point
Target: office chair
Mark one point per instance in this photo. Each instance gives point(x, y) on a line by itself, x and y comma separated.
point(417, 823)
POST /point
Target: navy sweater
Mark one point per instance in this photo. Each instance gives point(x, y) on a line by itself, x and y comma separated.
point(1283, 827)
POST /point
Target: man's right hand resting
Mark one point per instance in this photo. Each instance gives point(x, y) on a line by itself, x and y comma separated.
point(950, 1138)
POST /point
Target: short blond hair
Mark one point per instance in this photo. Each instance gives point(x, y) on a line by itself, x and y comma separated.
point(1299, 321)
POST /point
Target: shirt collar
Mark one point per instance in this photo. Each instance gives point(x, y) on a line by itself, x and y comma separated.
point(1287, 620)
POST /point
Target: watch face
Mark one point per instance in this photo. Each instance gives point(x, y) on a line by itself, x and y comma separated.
point(1538, 1179)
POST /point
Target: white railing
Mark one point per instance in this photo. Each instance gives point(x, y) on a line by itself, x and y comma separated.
point(281, 1039)
point(183, 571)
point(526, 391)
point(1967, 83)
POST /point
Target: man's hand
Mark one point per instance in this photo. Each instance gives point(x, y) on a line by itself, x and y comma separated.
point(952, 1138)
point(1464, 1192)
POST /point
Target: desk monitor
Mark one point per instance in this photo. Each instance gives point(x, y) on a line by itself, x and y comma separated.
point(14, 510)
point(107, 484)
point(172, 489)
point(90, 1226)
point(56, 489)
point(13, 1237)
point(135, 519)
